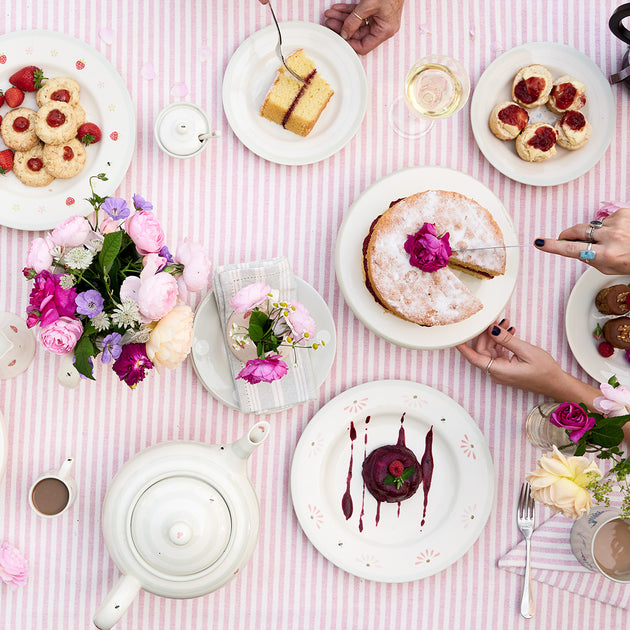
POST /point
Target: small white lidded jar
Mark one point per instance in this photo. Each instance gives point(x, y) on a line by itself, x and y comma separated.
point(182, 130)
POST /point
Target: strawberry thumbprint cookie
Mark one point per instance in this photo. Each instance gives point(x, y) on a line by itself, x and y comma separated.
point(64, 160)
point(18, 129)
point(56, 123)
point(28, 167)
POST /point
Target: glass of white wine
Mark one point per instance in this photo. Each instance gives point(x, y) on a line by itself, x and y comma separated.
point(436, 86)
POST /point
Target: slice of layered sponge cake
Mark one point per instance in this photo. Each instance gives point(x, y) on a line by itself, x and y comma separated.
point(295, 106)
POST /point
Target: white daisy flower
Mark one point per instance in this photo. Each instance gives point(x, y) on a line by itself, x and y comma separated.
point(66, 281)
point(101, 321)
point(127, 314)
point(78, 258)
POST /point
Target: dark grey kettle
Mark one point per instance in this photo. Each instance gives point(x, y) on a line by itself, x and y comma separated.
point(619, 30)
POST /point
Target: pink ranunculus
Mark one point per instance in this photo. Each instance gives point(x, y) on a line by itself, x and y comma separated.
point(571, 417)
point(250, 296)
point(615, 400)
point(196, 265)
point(266, 370)
point(157, 295)
point(301, 323)
point(145, 231)
point(62, 335)
point(606, 209)
point(427, 250)
point(48, 301)
point(38, 255)
point(13, 566)
point(72, 232)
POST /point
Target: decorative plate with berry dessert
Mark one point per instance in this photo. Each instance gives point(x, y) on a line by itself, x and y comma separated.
point(85, 113)
point(573, 73)
point(392, 481)
point(598, 324)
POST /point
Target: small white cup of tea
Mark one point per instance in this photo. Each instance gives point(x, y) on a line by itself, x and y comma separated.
point(54, 492)
point(600, 540)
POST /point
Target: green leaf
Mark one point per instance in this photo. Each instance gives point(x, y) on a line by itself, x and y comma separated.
point(613, 381)
point(82, 352)
point(580, 450)
point(111, 247)
point(407, 472)
point(256, 333)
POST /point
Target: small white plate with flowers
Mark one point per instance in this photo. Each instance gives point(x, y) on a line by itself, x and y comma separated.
point(210, 355)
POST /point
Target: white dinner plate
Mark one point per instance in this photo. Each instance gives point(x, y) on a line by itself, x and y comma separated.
point(582, 318)
point(494, 294)
point(397, 548)
point(251, 72)
point(210, 355)
point(3, 446)
point(495, 86)
point(107, 103)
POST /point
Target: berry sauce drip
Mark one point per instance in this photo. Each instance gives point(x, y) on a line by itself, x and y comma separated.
point(35, 164)
point(63, 96)
point(21, 124)
point(346, 500)
point(362, 514)
point(55, 118)
point(543, 139)
point(68, 153)
point(528, 90)
point(564, 94)
point(426, 466)
point(513, 115)
point(298, 96)
point(573, 120)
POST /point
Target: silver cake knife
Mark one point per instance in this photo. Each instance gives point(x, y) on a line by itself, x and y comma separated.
point(474, 249)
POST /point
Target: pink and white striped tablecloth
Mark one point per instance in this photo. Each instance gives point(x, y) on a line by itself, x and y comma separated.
point(244, 208)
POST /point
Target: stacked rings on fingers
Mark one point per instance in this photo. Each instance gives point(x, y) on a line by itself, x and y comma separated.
point(489, 365)
point(592, 226)
point(587, 254)
point(365, 21)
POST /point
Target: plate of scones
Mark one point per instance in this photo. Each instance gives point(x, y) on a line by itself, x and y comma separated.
point(282, 119)
point(543, 114)
point(75, 119)
point(381, 265)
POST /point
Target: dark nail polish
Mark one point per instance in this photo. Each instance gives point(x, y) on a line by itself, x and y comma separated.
point(510, 329)
point(539, 242)
point(496, 330)
point(501, 321)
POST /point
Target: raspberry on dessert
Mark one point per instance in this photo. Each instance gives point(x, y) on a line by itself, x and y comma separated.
point(396, 468)
point(605, 349)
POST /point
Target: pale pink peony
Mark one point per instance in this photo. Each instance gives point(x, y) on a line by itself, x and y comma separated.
point(157, 295)
point(171, 339)
point(250, 296)
point(72, 232)
point(62, 335)
point(13, 566)
point(38, 255)
point(145, 231)
point(196, 265)
point(301, 323)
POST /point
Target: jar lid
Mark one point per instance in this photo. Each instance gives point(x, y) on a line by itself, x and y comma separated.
point(180, 526)
point(178, 129)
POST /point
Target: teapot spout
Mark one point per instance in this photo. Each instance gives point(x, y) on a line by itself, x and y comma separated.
point(247, 444)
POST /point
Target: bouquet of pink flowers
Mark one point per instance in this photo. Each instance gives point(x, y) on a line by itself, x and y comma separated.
point(108, 286)
point(270, 324)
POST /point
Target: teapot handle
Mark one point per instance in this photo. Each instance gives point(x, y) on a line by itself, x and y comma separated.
point(615, 22)
point(116, 602)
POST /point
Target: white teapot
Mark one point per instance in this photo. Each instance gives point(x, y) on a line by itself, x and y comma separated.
point(180, 519)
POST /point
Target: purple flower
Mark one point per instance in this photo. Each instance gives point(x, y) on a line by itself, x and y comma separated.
point(116, 208)
point(264, 370)
point(571, 417)
point(89, 303)
point(140, 203)
point(166, 254)
point(132, 364)
point(49, 301)
point(111, 347)
point(427, 250)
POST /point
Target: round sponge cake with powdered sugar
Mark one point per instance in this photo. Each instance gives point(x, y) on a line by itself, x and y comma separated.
point(439, 297)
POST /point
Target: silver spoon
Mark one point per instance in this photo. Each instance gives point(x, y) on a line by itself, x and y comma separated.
point(296, 76)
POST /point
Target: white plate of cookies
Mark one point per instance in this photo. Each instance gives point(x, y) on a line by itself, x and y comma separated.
point(525, 148)
point(51, 167)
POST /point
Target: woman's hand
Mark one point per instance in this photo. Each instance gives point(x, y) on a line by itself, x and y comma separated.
point(382, 16)
point(611, 243)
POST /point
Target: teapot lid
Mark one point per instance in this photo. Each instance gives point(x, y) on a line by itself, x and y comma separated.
point(180, 526)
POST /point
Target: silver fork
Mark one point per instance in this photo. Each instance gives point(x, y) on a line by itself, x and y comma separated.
point(279, 49)
point(525, 522)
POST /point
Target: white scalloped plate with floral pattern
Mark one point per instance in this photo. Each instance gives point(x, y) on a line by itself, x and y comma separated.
point(396, 547)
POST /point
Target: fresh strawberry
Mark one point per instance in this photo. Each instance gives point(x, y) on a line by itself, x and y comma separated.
point(2, 103)
point(14, 97)
point(605, 349)
point(89, 133)
point(6, 161)
point(28, 79)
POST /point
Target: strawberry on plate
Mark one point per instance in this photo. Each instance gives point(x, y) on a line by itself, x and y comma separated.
point(28, 79)
point(14, 97)
point(89, 133)
point(6, 161)
point(1, 98)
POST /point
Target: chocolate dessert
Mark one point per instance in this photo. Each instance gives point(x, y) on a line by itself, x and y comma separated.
point(392, 473)
point(613, 300)
point(617, 332)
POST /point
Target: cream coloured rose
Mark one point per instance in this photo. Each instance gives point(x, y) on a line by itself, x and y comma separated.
point(171, 339)
point(560, 483)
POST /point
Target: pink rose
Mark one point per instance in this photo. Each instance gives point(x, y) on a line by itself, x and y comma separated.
point(72, 232)
point(13, 566)
point(48, 300)
point(571, 417)
point(265, 370)
point(250, 296)
point(301, 323)
point(427, 250)
point(62, 335)
point(145, 232)
point(38, 255)
point(196, 265)
point(615, 401)
point(157, 295)
point(606, 209)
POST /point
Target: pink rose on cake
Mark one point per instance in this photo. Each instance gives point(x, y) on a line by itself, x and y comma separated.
point(427, 250)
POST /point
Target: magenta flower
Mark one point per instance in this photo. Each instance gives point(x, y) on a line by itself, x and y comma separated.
point(606, 209)
point(427, 250)
point(49, 301)
point(266, 370)
point(132, 364)
point(571, 417)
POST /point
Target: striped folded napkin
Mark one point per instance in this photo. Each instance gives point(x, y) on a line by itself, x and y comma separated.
point(553, 563)
point(298, 385)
